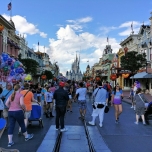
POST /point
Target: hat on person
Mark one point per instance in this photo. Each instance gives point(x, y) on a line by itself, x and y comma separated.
point(61, 84)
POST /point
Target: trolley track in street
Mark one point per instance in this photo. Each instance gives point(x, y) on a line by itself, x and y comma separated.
point(59, 139)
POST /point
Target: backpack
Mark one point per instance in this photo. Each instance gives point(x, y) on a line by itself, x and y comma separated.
point(1, 105)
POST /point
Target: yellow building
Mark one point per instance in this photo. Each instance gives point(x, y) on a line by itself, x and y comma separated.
point(120, 79)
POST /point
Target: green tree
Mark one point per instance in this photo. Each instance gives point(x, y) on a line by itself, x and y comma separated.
point(30, 66)
point(48, 74)
point(133, 61)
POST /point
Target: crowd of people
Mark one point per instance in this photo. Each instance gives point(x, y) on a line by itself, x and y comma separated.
point(18, 101)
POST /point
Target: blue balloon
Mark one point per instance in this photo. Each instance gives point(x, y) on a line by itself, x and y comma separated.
point(9, 61)
point(5, 58)
point(12, 73)
point(17, 70)
point(12, 67)
point(20, 70)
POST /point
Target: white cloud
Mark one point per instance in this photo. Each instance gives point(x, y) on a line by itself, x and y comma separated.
point(25, 27)
point(81, 20)
point(64, 48)
point(128, 30)
point(78, 24)
point(105, 30)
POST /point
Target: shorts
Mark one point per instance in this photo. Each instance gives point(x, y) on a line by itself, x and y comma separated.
point(82, 104)
point(5, 113)
point(27, 114)
point(140, 111)
point(70, 97)
point(117, 102)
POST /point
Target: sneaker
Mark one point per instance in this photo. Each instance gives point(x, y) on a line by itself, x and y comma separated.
point(116, 121)
point(144, 123)
point(100, 125)
point(136, 122)
point(64, 129)
point(132, 107)
point(10, 144)
point(90, 123)
point(30, 136)
point(57, 128)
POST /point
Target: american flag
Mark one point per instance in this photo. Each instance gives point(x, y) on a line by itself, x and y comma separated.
point(132, 25)
point(9, 6)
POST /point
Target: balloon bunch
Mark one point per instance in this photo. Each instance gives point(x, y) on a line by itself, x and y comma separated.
point(137, 84)
point(11, 70)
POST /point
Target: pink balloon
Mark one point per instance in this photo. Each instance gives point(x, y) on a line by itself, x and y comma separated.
point(9, 79)
point(23, 76)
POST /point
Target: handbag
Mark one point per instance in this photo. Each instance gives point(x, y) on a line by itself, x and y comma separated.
point(4, 97)
point(100, 106)
point(106, 110)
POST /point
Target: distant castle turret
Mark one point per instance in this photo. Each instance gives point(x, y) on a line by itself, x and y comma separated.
point(75, 73)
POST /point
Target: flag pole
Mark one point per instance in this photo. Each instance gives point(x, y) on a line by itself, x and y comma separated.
point(38, 46)
point(108, 40)
point(11, 11)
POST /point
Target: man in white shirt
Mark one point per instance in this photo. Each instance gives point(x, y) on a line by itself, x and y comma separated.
point(101, 98)
point(81, 93)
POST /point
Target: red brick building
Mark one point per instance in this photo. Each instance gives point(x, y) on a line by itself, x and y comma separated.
point(9, 41)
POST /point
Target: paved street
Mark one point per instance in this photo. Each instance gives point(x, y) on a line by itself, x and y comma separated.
point(123, 137)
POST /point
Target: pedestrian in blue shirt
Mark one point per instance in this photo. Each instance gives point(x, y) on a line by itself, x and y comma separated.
point(4, 96)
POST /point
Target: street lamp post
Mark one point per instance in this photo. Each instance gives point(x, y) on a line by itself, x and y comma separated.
point(147, 65)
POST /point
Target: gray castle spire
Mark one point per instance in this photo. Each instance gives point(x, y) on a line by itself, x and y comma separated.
point(75, 73)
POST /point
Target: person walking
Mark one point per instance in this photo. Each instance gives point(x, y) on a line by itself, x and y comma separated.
point(16, 106)
point(81, 93)
point(4, 96)
point(61, 97)
point(48, 102)
point(28, 99)
point(116, 100)
point(68, 88)
point(131, 95)
point(90, 91)
point(140, 100)
point(101, 100)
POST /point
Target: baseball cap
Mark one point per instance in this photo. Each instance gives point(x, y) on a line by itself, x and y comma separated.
point(61, 84)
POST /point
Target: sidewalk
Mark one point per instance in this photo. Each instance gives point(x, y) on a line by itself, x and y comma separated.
point(126, 95)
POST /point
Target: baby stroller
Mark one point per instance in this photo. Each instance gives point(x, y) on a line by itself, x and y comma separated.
point(148, 112)
point(36, 114)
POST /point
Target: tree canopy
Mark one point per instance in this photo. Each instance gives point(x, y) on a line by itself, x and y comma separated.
point(48, 74)
point(30, 66)
point(133, 61)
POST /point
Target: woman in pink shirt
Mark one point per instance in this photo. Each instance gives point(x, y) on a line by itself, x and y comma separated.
point(16, 106)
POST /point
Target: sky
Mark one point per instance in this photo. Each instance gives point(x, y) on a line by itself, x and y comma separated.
point(65, 28)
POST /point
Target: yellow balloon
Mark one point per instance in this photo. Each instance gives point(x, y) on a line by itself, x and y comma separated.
point(28, 77)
